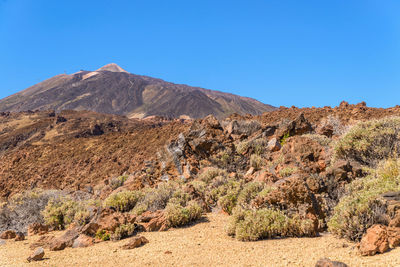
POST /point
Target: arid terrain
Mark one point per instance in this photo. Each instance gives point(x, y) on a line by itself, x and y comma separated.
point(285, 188)
point(204, 244)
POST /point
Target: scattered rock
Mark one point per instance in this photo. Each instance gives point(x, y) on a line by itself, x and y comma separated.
point(273, 145)
point(83, 241)
point(19, 236)
point(43, 241)
point(135, 242)
point(37, 255)
point(154, 221)
point(8, 234)
point(37, 229)
point(65, 240)
point(328, 263)
point(394, 236)
point(374, 241)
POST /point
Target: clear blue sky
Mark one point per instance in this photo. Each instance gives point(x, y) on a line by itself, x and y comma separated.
point(283, 52)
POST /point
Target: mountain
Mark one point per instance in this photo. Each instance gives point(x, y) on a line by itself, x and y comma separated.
point(113, 90)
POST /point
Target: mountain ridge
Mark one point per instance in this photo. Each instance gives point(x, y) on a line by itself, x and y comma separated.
point(111, 89)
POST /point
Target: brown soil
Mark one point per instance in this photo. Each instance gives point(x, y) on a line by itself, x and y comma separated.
point(203, 244)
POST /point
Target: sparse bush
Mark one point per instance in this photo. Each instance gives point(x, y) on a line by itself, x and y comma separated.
point(320, 139)
point(103, 235)
point(286, 172)
point(178, 215)
point(123, 201)
point(157, 198)
point(24, 209)
point(118, 181)
point(370, 142)
point(249, 192)
point(362, 208)
point(242, 147)
point(337, 126)
point(211, 173)
point(252, 225)
point(284, 139)
point(256, 161)
point(123, 231)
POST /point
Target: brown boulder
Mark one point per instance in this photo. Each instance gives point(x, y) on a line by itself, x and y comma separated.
point(43, 241)
point(66, 240)
point(273, 145)
point(37, 228)
point(83, 241)
point(57, 245)
point(394, 236)
point(328, 263)
point(154, 221)
point(135, 242)
point(19, 236)
point(8, 234)
point(374, 241)
point(37, 255)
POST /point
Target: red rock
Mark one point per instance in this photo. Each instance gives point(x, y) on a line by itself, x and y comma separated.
point(37, 228)
point(135, 242)
point(374, 241)
point(328, 263)
point(394, 236)
point(37, 255)
point(9, 234)
point(19, 236)
point(83, 241)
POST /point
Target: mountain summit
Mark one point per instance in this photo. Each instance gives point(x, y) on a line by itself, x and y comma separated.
point(112, 67)
point(111, 89)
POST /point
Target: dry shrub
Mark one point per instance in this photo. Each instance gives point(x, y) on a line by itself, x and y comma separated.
point(370, 142)
point(252, 225)
point(123, 201)
point(24, 209)
point(178, 215)
point(362, 207)
point(123, 231)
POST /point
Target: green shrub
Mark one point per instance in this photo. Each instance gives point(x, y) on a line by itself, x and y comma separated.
point(157, 198)
point(103, 235)
point(286, 172)
point(208, 175)
point(252, 225)
point(178, 215)
point(242, 147)
point(362, 208)
point(256, 161)
point(118, 181)
point(370, 142)
point(249, 192)
point(320, 139)
point(60, 213)
point(123, 231)
point(284, 139)
point(123, 201)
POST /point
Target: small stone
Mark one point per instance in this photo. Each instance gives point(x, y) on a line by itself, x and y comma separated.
point(9, 234)
point(37, 255)
point(19, 236)
point(135, 242)
point(328, 263)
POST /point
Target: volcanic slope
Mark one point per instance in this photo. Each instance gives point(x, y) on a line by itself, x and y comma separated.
point(113, 90)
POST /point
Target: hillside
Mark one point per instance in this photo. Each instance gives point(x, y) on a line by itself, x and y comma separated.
point(113, 90)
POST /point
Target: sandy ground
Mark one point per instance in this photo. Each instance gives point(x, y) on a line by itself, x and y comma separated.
point(203, 244)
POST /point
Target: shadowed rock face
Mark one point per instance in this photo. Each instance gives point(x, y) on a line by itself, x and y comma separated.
point(112, 90)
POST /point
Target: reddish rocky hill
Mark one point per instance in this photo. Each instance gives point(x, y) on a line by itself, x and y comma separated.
point(113, 90)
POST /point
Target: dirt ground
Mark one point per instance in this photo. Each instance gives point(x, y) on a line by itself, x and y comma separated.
point(203, 244)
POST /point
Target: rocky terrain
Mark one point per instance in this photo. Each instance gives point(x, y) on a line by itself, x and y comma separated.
point(113, 90)
point(288, 173)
